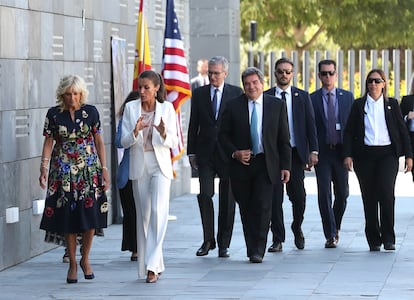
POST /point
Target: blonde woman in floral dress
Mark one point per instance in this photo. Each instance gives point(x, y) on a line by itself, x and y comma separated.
point(73, 168)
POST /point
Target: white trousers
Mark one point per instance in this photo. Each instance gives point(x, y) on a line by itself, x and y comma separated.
point(152, 196)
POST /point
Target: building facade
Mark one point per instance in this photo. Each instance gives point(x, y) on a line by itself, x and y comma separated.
point(42, 40)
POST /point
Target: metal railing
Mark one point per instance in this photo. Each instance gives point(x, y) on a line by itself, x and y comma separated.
point(352, 68)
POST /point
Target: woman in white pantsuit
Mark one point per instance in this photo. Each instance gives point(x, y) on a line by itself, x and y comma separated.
point(149, 130)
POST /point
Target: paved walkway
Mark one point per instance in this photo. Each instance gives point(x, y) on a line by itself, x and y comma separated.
point(347, 272)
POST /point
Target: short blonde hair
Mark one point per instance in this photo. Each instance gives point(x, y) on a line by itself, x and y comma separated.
point(67, 82)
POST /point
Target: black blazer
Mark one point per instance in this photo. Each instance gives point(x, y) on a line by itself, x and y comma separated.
point(235, 135)
point(345, 100)
point(303, 122)
point(355, 129)
point(203, 127)
point(407, 105)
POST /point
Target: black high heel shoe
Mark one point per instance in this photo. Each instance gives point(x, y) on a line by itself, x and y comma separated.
point(87, 276)
point(71, 280)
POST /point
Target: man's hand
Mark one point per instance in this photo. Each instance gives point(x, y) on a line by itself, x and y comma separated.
point(243, 156)
point(285, 176)
point(313, 160)
point(348, 163)
point(193, 162)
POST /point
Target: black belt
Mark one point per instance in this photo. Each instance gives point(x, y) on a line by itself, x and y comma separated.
point(334, 146)
point(258, 155)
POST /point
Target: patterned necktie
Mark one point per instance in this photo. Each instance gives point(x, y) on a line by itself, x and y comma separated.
point(214, 103)
point(253, 130)
point(332, 137)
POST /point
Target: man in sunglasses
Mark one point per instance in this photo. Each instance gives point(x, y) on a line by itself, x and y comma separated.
point(332, 107)
point(304, 144)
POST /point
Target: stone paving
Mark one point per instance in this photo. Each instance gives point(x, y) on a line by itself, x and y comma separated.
point(347, 272)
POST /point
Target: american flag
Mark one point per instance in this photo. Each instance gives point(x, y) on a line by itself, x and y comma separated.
point(175, 73)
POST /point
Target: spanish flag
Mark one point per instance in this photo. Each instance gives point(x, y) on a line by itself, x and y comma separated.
point(142, 50)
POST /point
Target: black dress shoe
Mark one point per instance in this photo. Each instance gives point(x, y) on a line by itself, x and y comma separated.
point(275, 247)
point(299, 239)
point(224, 252)
point(205, 247)
point(330, 243)
point(389, 246)
point(256, 259)
point(374, 248)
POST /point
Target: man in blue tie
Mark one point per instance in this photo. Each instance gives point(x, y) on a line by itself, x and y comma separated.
point(206, 155)
point(254, 133)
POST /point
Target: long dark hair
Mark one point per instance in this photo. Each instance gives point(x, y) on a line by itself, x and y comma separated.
point(133, 95)
point(156, 80)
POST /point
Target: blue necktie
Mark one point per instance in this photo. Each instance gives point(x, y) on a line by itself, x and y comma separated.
point(253, 130)
point(214, 103)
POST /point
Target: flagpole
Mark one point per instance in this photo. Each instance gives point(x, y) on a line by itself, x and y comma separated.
point(142, 40)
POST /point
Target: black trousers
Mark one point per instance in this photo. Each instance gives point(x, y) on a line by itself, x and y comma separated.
point(206, 174)
point(296, 191)
point(129, 221)
point(254, 196)
point(377, 172)
point(330, 171)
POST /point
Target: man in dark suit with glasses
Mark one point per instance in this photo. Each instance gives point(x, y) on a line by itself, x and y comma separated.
point(206, 155)
point(332, 107)
point(304, 144)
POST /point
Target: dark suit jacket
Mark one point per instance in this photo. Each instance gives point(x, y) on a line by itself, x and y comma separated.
point(203, 128)
point(345, 100)
point(195, 83)
point(407, 105)
point(303, 122)
point(355, 129)
point(235, 135)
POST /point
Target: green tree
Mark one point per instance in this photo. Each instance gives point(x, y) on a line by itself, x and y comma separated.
point(308, 24)
point(292, 25)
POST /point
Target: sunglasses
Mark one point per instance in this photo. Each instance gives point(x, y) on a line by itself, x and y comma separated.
point(287, 72)
point(376, 80)
point(324, 73)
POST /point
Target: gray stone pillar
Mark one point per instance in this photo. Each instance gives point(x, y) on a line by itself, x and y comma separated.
point(215, 30)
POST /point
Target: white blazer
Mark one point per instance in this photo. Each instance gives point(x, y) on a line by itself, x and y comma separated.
point(162, 147)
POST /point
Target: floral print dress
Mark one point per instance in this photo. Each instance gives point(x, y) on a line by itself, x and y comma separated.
point(75, 201)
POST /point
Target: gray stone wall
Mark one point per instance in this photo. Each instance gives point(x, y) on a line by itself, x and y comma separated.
point(215, 30)
point(42, 40)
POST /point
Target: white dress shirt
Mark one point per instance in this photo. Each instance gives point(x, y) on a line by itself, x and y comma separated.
point(376, 130)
